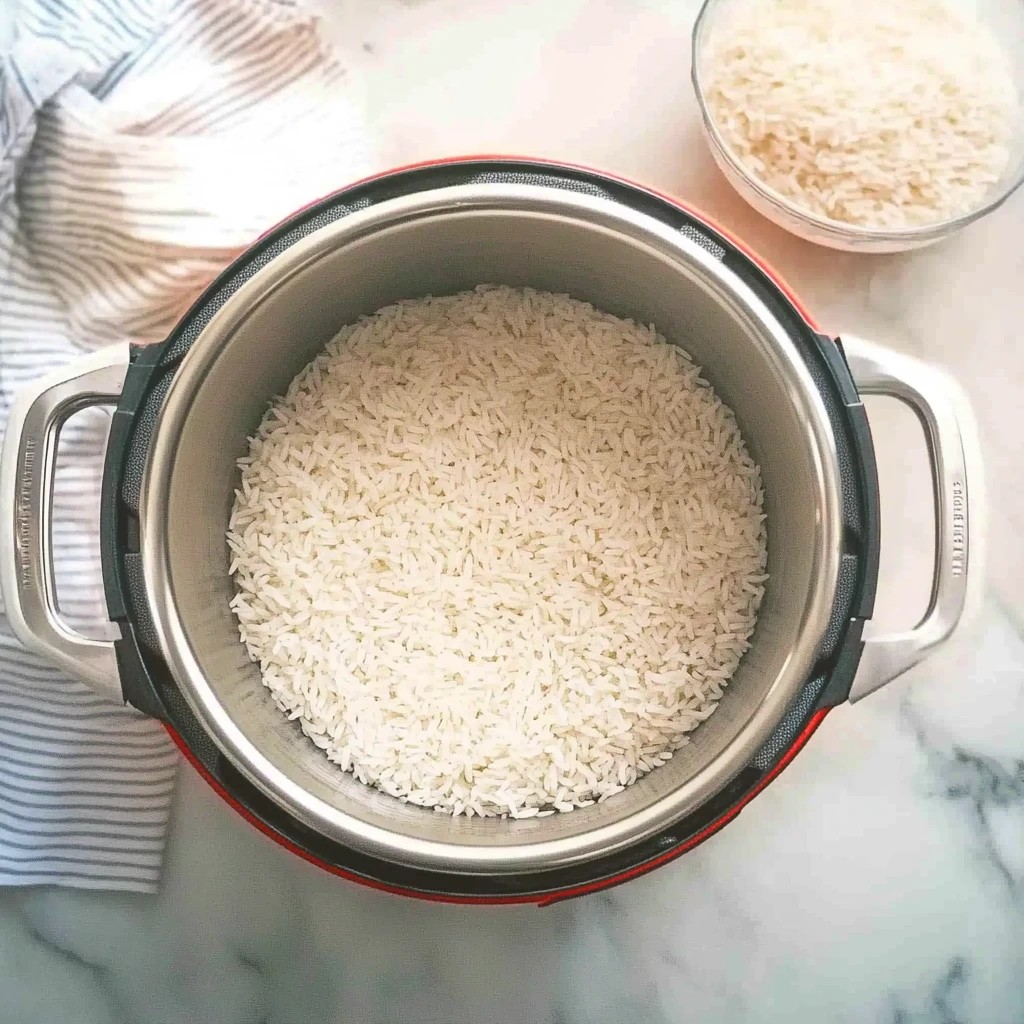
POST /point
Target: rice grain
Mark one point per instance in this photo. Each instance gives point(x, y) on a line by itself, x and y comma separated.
point(498, 552)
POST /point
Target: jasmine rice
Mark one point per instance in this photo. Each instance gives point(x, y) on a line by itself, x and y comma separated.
point(498, 553)
point(879, 114)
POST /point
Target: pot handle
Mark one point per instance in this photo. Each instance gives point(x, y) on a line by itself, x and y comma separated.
point(26, 498)
point(947, 420)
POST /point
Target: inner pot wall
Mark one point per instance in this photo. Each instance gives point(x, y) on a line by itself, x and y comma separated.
point(437, 243)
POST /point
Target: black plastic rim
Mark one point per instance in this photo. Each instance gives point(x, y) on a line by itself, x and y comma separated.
point(147, 683)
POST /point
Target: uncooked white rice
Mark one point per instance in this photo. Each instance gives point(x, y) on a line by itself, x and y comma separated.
point(877, 113)
point(498, 552)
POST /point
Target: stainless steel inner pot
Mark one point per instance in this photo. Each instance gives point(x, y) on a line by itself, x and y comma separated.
point(439, 242)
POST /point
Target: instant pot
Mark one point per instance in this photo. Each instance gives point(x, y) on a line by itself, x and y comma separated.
point(183, 411)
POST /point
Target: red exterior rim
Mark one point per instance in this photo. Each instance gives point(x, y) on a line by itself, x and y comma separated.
point(705, 833)
point(543, 901)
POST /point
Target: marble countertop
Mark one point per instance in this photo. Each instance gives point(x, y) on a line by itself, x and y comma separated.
point(881, 878)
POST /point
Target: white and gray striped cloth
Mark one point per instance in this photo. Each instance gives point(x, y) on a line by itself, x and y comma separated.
point(142, 144)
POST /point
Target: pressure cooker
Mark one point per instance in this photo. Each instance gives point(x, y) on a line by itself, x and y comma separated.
point(183, 409)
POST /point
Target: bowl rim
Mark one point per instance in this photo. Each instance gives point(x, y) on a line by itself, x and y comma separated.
point(840, 230)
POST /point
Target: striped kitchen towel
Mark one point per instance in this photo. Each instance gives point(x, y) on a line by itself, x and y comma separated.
point(143, 143)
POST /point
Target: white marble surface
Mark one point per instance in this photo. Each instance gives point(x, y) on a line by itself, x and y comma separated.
point(880, 879)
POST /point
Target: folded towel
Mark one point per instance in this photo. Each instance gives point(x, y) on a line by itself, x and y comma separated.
point(143, 143)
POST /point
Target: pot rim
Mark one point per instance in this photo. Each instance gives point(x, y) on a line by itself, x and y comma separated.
point(607, 214)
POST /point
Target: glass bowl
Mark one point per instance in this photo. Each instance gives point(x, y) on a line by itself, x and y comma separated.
point(1004, 17)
